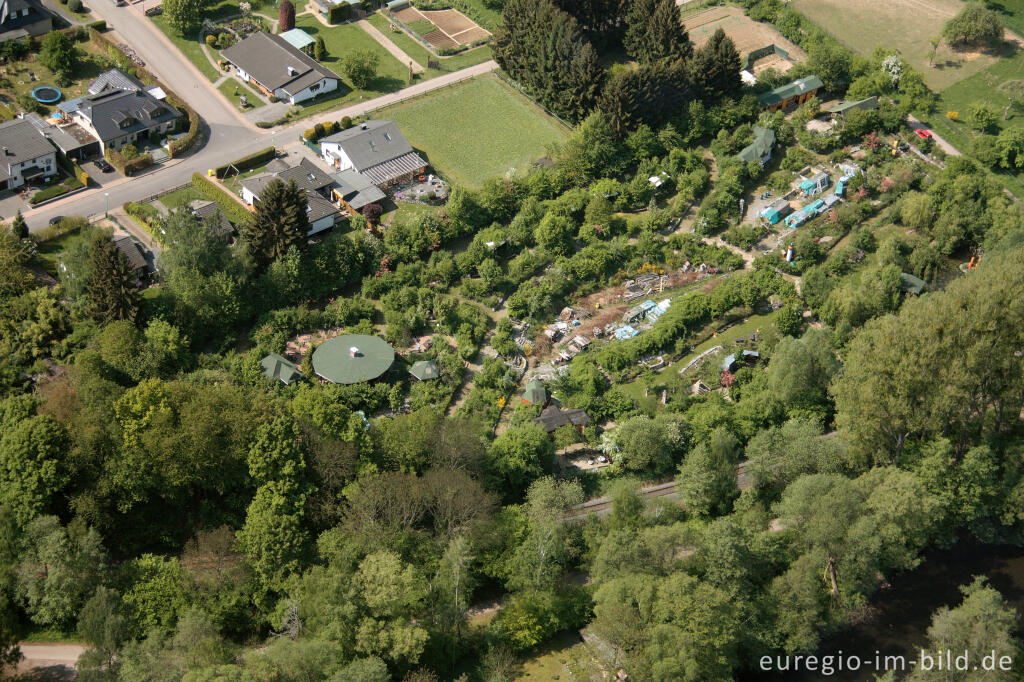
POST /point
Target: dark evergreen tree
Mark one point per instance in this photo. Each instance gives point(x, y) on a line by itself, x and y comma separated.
point(601, 20)
point(279, 222)
point(725, 79)
point(619, 102)
point(112, 291)
point(19, 227)
point(655, 31)
point(544, 49)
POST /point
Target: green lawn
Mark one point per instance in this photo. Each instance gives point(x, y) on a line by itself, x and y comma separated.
point(478, 11)
point(635, 389)
point(234, 89)
point(17, 80)
point(1012, 12)
point(47, 252)
point(476, 130)
point(422, 55)
point(345, 38)
point(863, 26)
point(987, 86)
point(193, 50)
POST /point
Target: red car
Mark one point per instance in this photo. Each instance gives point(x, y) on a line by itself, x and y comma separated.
point(923, 134)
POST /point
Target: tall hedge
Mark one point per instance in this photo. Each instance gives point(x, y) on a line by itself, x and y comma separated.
point(247, 162)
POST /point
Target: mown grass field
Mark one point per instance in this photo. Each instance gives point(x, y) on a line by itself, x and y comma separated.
point(904, 24)
point(476, 130)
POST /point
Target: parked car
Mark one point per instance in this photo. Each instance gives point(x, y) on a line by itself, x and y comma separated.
point(923, 134)
point(56, 219)
point(104, 166)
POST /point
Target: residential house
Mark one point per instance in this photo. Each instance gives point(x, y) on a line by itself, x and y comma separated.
point(760, 149)
point(130, 248)
point(375, 149)
point(795, 93)
point(71, 139)
point(210, 214)
point(23, 18)
point(279, 69)
point(306, 174)
point(322, 214)
point(553, 417)
point(25, 155)
point(120, 117)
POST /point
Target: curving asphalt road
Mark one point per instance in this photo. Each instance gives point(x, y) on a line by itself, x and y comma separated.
point(230, 134)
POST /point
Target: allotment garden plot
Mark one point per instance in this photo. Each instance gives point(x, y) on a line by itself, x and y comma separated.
point(444, 29)
point(747, 34)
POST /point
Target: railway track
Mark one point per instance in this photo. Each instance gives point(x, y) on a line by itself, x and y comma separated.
point(602, 505)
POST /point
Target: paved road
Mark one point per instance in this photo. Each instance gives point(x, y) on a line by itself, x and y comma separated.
point(58, 660)
point(228, 140)
point(914, 122)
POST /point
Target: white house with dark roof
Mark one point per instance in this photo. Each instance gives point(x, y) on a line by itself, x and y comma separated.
point(278, 69)
point(322, 214)
point(25, 155)
point(377, 150)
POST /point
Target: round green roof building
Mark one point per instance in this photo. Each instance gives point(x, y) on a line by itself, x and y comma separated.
point(352, 358)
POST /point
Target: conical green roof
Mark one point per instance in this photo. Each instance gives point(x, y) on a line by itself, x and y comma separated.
point(535, 393)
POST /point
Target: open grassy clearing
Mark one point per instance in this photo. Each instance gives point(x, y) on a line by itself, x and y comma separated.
point(48, 252)
point(16, 76)
point(498, 130)
point(904, 24)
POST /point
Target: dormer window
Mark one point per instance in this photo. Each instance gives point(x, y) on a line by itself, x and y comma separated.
point(387, 136)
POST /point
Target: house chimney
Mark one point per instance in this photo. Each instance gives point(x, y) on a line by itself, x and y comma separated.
point(291, 71)
point(363, 126)
point(353, 351)
point(5, 151)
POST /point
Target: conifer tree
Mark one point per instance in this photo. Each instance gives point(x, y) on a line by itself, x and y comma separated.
point(279, 222)
point(19, 227)
point(112, 290)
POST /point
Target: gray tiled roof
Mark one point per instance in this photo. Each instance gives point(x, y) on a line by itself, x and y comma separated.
point(210, 211)
point(20, 141)
point(267, 58)
point(130, 248)
point(356, 189)
point(107, 111)
point(371, 144)
point(306, 175)
point(318, 207)
point(114, 79)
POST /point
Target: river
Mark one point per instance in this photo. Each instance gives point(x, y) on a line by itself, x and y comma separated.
point(899, 615)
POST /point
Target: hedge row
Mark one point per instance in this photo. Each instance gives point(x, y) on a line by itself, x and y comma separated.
point(245, 163)
point(232, 210)
point(100, 25)
point(183, 144)
point(321, 130)
point(339, 13)
point(128, 167)
point(55, 191)
point(73, 169)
